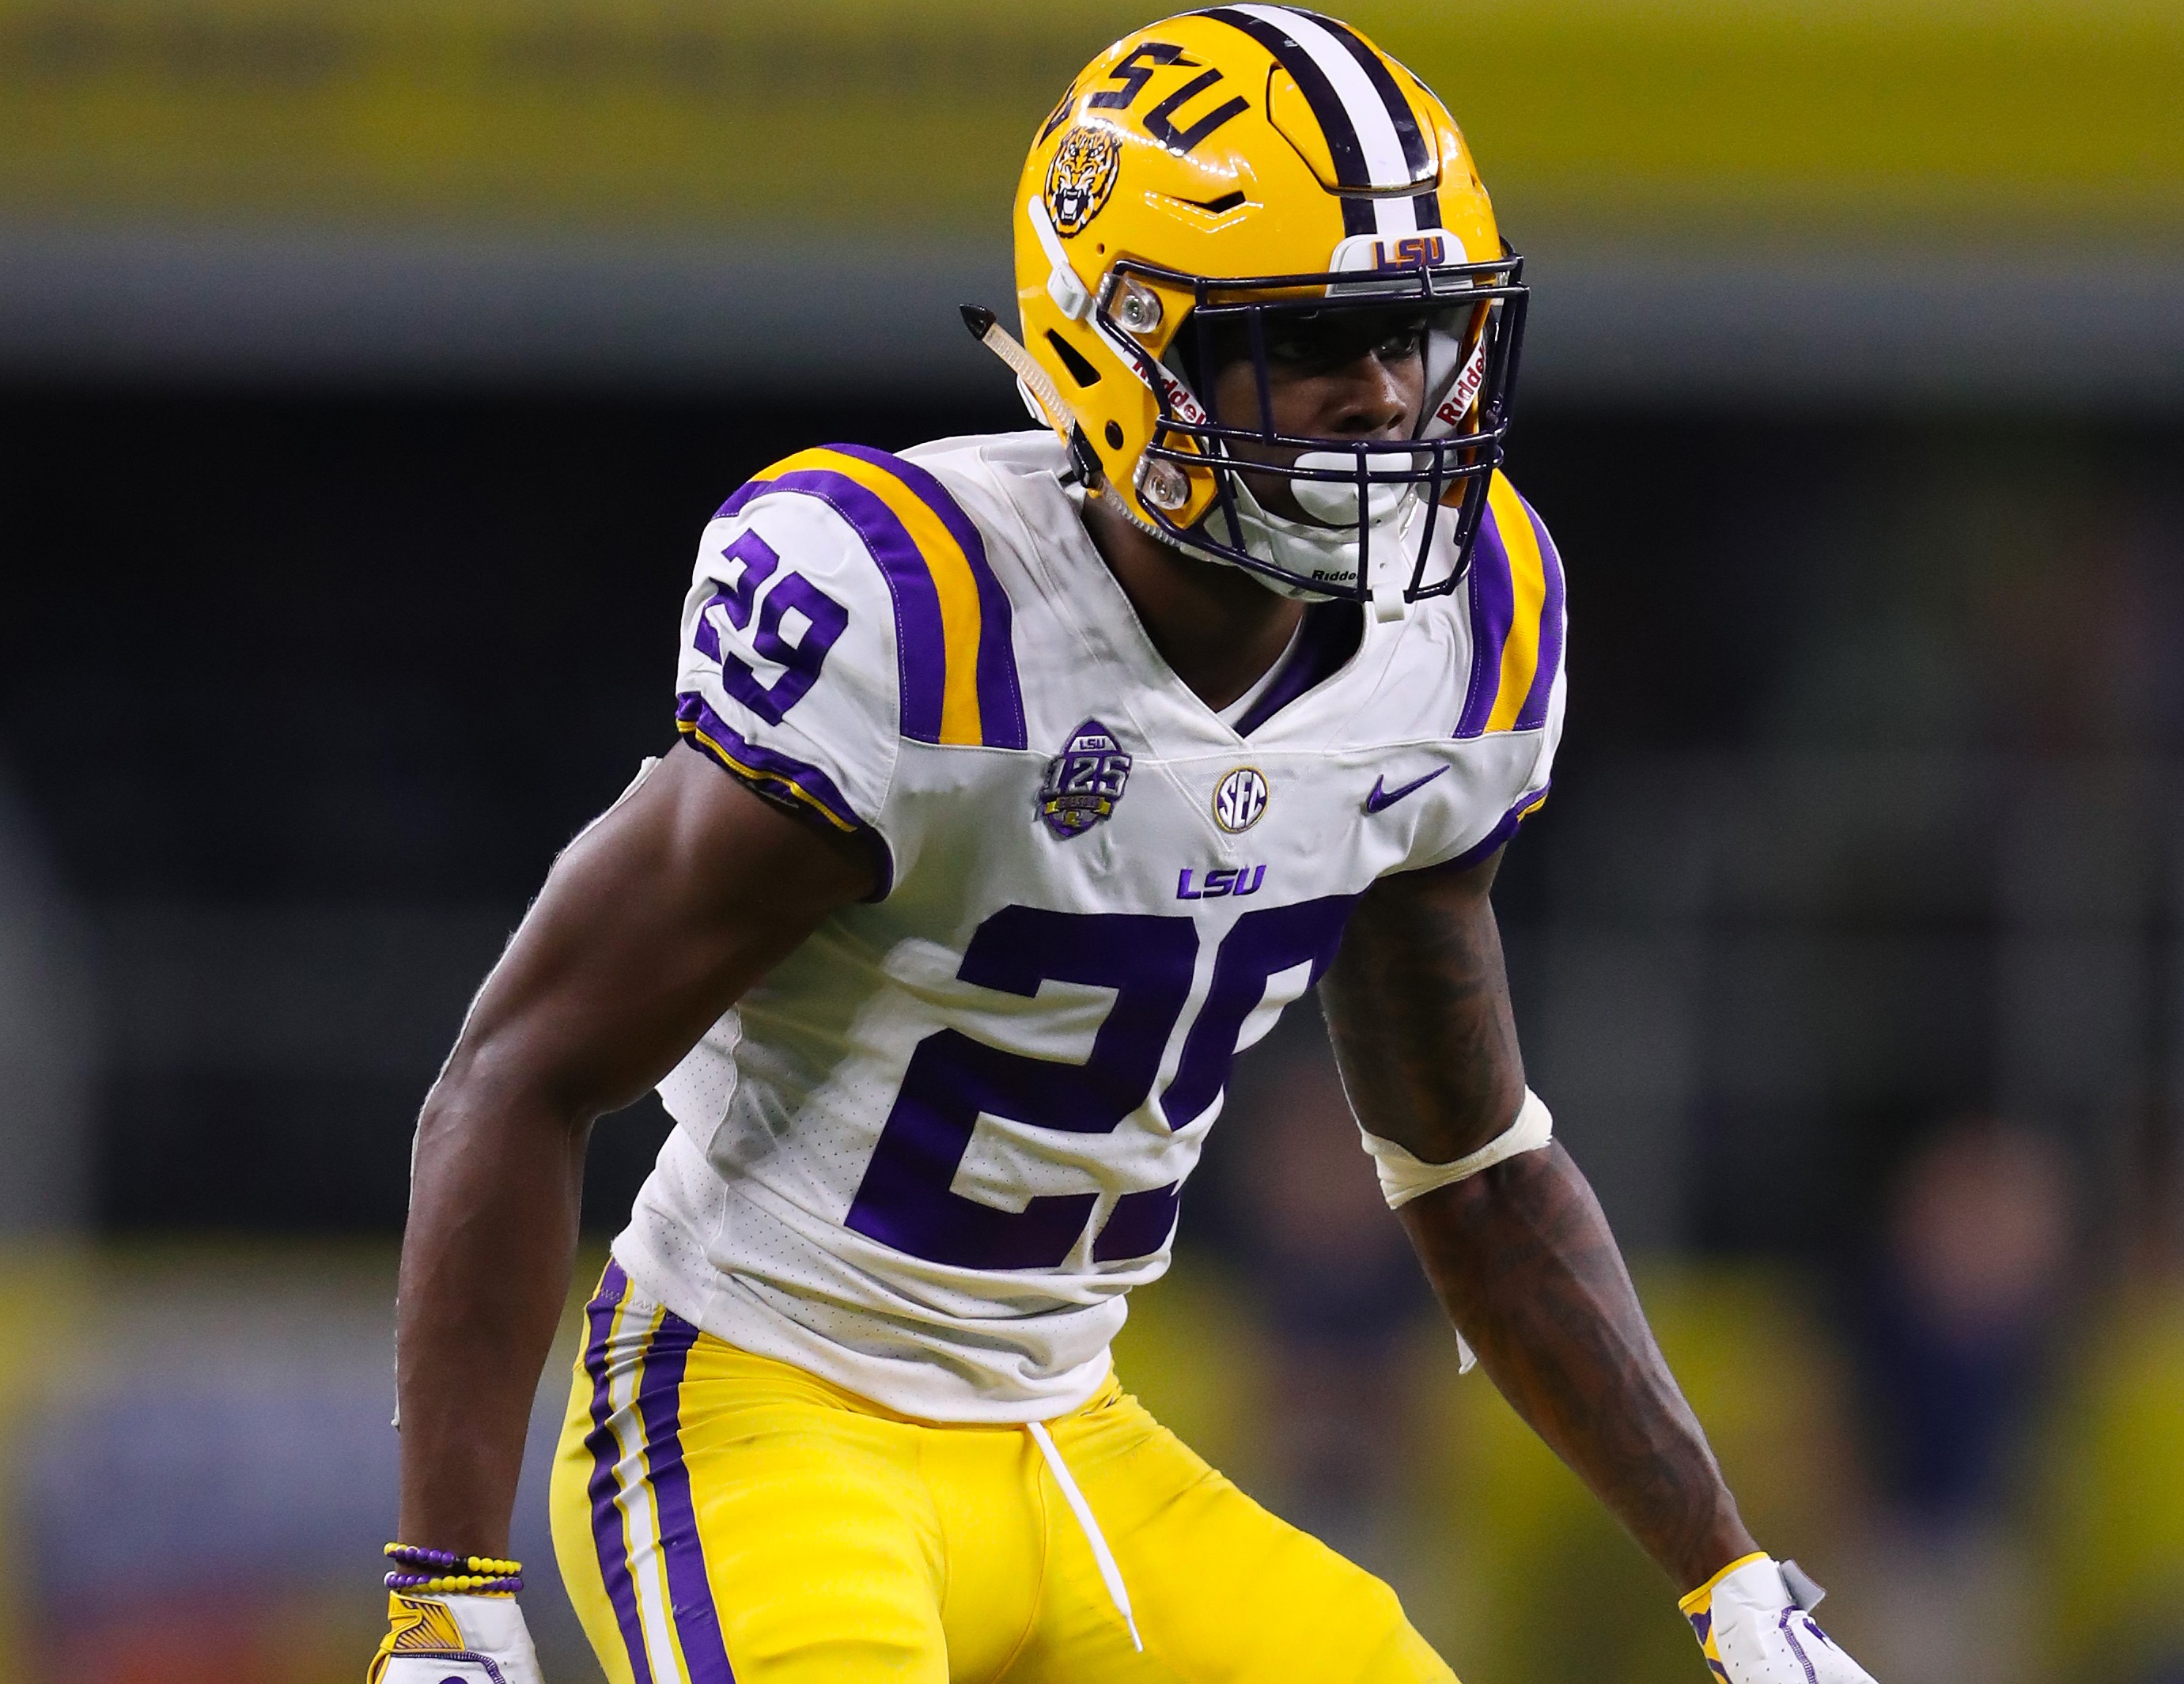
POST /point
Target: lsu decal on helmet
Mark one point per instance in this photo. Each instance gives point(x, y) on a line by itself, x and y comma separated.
point(1239, 177)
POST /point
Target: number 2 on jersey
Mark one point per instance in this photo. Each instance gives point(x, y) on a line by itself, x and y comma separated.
point(907, 1198)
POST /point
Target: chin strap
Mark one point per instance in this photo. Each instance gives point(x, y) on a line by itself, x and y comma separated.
point(1034, 381)
point(1305, 548)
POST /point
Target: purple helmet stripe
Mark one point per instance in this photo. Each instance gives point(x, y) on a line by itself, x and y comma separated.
point(690, 1592)
point(1001, 701)
point(920, 653)
point(1426, 206)
point(1534, 713)
point(1343, 148)
point(1416, 153)
point(1493, 607)
point(607, 1536)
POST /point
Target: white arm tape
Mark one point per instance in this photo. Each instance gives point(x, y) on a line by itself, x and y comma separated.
point(1404, 1177)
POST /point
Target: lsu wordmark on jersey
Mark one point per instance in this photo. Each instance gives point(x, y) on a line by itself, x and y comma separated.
point(927, 1156)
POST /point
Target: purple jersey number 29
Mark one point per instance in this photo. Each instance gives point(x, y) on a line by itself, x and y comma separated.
point(907, 1200)
point(751, 561)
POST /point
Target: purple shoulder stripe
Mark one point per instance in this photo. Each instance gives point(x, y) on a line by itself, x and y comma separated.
point(1534, 713)
point(1001, 701)
point(920, 648)
point(920, 655)
point(1493, 602)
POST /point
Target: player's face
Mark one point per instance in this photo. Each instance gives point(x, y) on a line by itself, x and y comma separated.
point(1340, 374)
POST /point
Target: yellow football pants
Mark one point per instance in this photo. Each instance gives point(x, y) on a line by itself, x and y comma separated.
point(719, 1516)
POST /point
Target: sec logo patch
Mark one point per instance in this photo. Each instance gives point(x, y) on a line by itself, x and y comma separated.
point(1241, 799)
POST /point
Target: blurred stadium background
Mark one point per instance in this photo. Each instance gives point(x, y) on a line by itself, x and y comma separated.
point(366, 372)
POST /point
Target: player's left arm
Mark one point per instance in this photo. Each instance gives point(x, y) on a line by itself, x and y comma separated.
point(1520, 1254)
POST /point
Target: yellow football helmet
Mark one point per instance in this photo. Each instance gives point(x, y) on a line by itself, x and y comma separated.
point(1222, 177)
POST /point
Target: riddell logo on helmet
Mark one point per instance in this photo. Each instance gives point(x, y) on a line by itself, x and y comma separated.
point(1458, 404)
point(1180, 399)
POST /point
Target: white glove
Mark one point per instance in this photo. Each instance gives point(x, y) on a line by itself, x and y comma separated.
point(1754, 1625)
point(453, 1639)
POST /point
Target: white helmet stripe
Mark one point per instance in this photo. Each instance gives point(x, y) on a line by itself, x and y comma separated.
point(1396, 215)
point(1362, 103)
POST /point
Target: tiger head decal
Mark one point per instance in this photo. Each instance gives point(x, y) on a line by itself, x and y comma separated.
point(1081, 177)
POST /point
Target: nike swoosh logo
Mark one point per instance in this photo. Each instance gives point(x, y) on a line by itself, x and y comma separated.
point(1382, 797)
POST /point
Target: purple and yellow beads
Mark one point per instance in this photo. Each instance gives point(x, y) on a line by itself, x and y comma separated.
point(447, 1574)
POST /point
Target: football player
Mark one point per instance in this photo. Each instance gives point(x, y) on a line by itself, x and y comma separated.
point(1022, 781)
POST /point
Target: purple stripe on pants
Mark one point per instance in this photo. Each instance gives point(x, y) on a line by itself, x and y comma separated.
point(1534, 713)
point(606, 1517)
point(1000, 702)
point(1493, 607)
point(690, 1594)
point(920, 653)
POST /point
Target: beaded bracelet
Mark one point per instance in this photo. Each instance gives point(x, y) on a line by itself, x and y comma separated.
point(457, 1584)
point(450, 1573)
point(410, 1555)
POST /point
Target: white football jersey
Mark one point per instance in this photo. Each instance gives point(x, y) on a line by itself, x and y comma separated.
point(927, 1158)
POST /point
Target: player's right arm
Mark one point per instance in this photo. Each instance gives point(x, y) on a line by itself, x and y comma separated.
point(649, 927)
point(651, 924)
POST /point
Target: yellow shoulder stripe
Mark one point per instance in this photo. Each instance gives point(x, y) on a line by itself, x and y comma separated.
point(944, 561)
point(1527, 589)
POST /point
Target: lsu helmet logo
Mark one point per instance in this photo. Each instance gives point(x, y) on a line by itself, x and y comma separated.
point(1081, 176)
point(1429, 248)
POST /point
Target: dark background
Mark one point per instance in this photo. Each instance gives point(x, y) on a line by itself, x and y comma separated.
point(302, 691)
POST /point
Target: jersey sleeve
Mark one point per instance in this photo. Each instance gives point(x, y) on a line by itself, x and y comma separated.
point(1515, 687)
point(788, 664)
point(841, 603)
